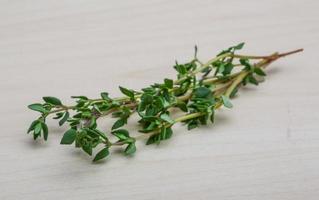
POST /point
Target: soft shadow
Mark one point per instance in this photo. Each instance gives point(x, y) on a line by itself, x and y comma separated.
point(117, 151)
point(56, 130)
point(79, 153)
point(34, 144)
point(221, 119)
point(248, 88)
point(272, 70)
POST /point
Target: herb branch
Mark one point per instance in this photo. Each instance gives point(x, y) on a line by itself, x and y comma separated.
point(199, 90)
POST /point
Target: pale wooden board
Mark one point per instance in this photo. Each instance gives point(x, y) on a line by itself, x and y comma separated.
point(266, 147)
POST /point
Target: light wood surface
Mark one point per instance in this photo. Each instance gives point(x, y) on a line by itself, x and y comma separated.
point(266, 147)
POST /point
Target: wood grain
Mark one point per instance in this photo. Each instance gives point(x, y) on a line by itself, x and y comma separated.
point(266, 147)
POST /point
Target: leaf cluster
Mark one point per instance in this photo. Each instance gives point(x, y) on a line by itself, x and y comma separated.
point(198, 91)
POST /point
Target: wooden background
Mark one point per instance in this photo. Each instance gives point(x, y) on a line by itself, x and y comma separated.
point(266, 147)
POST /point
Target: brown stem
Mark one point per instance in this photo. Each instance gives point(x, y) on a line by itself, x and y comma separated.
point(228, 86)
point(64, 108)
point(290, 52)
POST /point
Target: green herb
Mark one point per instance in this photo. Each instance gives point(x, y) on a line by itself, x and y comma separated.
point(69, 137)
point(53, 100)
point(199, 90)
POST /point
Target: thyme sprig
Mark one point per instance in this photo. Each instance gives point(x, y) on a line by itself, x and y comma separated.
point(199, 90)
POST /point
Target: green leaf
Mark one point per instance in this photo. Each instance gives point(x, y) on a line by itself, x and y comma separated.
point(93, 123)
point(166, 133)
point(259, 71)
point(153, 139)
point(226, 102)
point(68, 137)
point(45, 131)
point(105, 96)
point(37, 128)
point(167, 118)
point(160, 102)
point(127, 92)
point(35, 136)
point(245, 62)
point(87, 149)
point(253, 80)
point(80, 97)
point(65, 117)
point(246, 80)
point(101, 154)
point(53, 100)
point(221, 68)
point(37, 107)
point(130, 149)
point(232, 49)
point(151, 111)
point(32, 126)
point(192, 124)
point(146, 98)
point(117, 114)
point(169, 83)
point(121, 134)
point(58, 115)
point(119, 123)
point(239, 46)
point(212, 116)
point(80, 103)
point(152, 126)
point(233, 93)
point(182, 105)
point(77, 116)
point(228, 68)
point(181, 69)
point(166, 95)
point(202, 92)
point(141, 107)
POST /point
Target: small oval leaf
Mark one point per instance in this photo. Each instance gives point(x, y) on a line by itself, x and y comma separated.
point(102, 154)
point(52, 100)
point(119, 123)
point(45, 131)
point(37, 107)
point(65, 117)
point(226, 102)
point(68, 137)
point(130, 149)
